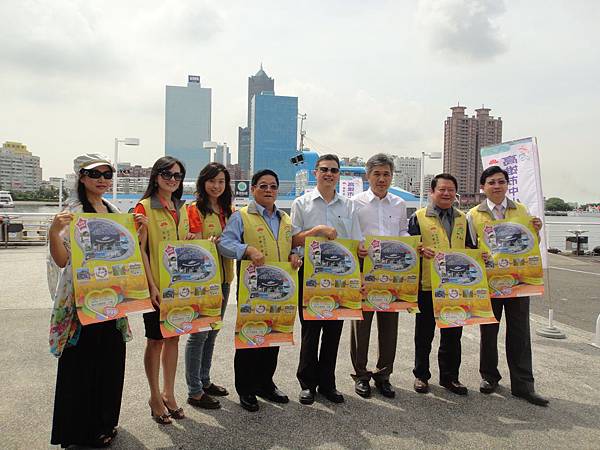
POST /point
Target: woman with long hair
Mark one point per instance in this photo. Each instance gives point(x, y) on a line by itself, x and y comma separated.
point(167, 220)
point(91, 364)
point(208, 217)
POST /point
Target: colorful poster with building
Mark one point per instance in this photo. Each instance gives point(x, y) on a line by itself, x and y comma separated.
point(108, 274)
point(520, 158)
point(267, 304)
point(190, 287)
point(515, 267)
point(459, 289)
point(391, 274)
point(331, 280)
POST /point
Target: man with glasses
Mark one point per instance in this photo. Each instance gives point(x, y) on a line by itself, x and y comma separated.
point(496, 206)
point(322, 212)
point(259, 232)
point(440, 225)
point(380, 213)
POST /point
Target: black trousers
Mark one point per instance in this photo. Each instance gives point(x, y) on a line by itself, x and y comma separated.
point(518, 344)
point(254, 369)
point(316, 367)
point(449, 353)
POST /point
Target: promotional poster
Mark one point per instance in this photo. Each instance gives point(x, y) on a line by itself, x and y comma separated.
point(391, 274)
point(267, 304)
point(460, 289)
point(108, 274)
point(331, 280)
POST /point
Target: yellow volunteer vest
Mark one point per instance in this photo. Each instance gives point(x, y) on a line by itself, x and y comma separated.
point(258, 234)
point(434, 235)
point(162, 227)
point(481, 214)
point(211, 226)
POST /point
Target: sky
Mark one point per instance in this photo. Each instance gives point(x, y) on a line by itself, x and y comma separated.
point(370, 75)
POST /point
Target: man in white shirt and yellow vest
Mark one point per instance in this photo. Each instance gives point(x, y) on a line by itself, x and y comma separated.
point(440, 225)
point(496, 206)
point(259, 232)
point(380, 213)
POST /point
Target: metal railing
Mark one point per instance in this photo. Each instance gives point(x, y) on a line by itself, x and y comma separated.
point(24, 228)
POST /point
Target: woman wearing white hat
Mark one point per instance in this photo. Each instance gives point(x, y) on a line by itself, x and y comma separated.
point(91, 363)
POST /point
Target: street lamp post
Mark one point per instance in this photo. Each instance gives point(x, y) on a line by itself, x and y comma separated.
point(432, 155)
point(126, 141)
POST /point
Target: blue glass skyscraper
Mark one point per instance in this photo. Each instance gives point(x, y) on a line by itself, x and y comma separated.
point(274, 131)
point(187, 124)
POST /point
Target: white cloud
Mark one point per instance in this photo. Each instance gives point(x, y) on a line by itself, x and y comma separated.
point(463, 28)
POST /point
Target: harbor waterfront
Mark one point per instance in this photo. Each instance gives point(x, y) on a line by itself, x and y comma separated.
point(566, 372)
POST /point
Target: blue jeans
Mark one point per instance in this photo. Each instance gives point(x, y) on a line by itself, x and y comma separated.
point(198, 354)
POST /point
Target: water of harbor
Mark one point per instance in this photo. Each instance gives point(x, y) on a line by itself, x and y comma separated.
point(558, 226)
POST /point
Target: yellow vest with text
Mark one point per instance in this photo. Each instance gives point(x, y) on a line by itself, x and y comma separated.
point(479, 217)
point(258, 234)
point(211, 226)
point(434, 235)
point(162, 227)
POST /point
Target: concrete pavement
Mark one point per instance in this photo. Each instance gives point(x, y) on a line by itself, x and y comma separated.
point(566, 371)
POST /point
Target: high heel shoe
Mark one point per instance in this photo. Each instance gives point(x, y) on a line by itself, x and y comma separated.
point(176, 414)
point(164, 419)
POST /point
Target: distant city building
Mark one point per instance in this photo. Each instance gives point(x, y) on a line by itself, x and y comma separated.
point(274, 132)
point(260, 82)
point(20, 171)
point(407, 173)
point(219, 152)
point(235, 171)
point(463, 137)
point(188, 123)
point(136, 171)
point(354, 161)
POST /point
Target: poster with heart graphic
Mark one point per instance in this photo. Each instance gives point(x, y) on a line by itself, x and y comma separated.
point(190, 286)
point(515, 268)
point(108, 274)
point(332, 280)
point(267, 304)
point(459, 289)
point(391, 274)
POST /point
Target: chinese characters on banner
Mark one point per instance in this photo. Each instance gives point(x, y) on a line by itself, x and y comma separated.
point(190, 287)
point(515, 267)
point(520, 159)
point(267, 303)
point(460, 289)
point(391, 274)
point(350, 186)
point(331, 280)
point(108, 274)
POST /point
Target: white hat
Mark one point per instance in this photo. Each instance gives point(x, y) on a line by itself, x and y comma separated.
point(91, 160)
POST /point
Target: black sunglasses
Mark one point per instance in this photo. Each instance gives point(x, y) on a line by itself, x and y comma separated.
point(95, 174)
point(167, 175)
point(333, 170)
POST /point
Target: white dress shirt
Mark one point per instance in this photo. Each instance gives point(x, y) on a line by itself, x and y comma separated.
point(311, 210)
point(381, 217)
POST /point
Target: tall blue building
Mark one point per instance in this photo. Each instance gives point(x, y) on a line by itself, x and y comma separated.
point(274, 131)
point(187, 124)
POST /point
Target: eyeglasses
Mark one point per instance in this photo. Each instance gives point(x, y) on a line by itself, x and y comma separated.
point(333, 170)
point(95, 174)
point(266, 187)
point(167, 175)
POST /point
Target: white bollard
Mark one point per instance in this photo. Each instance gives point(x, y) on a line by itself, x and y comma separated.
point(596, 341)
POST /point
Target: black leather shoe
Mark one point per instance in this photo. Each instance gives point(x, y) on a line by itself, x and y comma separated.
point(204, 402)
point(455, 387)
point(275, 396)
point(532, 398)
point(487, 387)
point(307, 396)
point(385, 389)
point(216, 391)
point(362, 388)
point(421, 386)
point(333, 395)
point(249, 402)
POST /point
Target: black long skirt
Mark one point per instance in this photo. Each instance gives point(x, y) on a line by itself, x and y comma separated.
point(89, 386)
